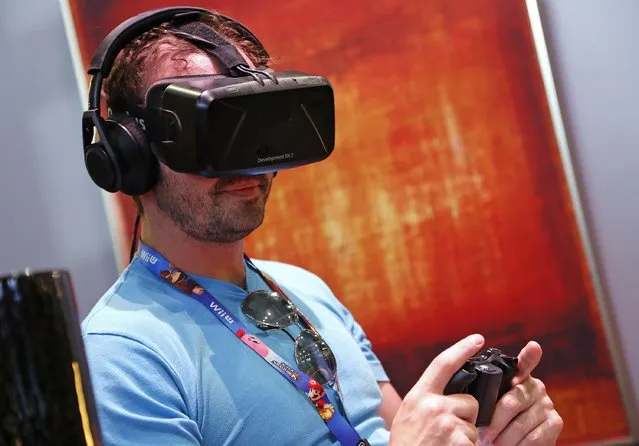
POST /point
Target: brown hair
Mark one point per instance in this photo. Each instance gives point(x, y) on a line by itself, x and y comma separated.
point(130, 76)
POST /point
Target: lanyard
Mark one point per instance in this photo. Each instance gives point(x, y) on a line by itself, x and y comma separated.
point(338, 425)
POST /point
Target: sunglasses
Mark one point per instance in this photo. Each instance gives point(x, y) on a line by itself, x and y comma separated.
point(270, 310)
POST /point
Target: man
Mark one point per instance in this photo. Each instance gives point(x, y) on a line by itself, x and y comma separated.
point(168, 372)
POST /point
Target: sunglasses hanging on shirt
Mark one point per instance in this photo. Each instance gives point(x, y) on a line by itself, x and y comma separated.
point(270, 310)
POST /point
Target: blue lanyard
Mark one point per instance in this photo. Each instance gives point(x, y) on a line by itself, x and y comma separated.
point(338, 425)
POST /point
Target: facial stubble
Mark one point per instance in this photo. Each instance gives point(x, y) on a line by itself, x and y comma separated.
point(211, 216)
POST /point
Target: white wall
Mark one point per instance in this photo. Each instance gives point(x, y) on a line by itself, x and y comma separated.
point(51, 215)
point(594, 49)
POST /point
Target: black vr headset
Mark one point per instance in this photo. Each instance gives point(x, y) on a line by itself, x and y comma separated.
point(242, 122)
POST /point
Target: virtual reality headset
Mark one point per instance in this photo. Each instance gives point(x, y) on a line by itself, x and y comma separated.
point(219, 125)
point(243, 121)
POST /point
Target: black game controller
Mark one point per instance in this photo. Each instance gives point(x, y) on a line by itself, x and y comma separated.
point(486, 377)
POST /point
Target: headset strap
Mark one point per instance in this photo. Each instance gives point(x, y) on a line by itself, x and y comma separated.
point(206, 38)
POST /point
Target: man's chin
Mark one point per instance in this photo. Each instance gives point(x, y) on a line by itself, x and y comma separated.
point(231, 236)
point(240, 228)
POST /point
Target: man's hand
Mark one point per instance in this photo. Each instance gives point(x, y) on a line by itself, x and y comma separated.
point(426, 416)
point(525, 415)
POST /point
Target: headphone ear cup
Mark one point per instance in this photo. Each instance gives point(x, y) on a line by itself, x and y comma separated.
point(101, 167)
point(136, 166)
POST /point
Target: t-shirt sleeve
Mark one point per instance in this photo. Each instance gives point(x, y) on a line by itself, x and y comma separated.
point(138, 395)
point(363, 342)
point(353, 326)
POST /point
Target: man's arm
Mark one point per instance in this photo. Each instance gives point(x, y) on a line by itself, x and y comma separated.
point(390, 403)
point(138, 395)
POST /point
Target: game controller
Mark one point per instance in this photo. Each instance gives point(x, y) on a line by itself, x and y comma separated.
point(486, 377)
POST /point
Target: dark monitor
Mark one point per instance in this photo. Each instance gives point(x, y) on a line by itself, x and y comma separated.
point(46, 396)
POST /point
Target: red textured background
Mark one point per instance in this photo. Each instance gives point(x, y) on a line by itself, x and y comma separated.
point(444, 209)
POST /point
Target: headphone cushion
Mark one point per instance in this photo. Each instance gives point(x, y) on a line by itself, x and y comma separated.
point(137, 166)
point(101, 167)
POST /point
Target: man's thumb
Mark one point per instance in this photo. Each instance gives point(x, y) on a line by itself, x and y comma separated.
point(444, 366)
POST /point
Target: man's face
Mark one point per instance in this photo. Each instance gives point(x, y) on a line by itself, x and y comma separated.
point(221, 210)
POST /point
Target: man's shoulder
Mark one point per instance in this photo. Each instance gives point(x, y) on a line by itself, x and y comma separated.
point(291, 276)
point(303, 283)
point(137, 305)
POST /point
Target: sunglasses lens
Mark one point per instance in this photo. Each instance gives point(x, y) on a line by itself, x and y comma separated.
point(270, 309)
point(315, 358)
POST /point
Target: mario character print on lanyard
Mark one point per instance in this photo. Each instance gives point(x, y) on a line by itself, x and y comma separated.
point(315, 393)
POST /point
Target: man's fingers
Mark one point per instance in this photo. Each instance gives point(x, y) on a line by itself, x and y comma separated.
point(545, 433)
point(470, 431)
point(528, 359)
point(444, 366)
point(517, 400)
point(521, 426)
point(465, 407)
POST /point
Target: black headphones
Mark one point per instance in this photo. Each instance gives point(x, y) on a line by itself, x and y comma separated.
point(122, 160)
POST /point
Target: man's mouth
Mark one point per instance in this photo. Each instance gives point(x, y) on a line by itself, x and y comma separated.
point(246, 187)
point(241, 185)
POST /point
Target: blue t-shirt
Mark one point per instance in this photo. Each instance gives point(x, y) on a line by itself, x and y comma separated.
point(165, 371)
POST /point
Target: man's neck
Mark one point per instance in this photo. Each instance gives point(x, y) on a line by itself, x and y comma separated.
point(220, 261)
